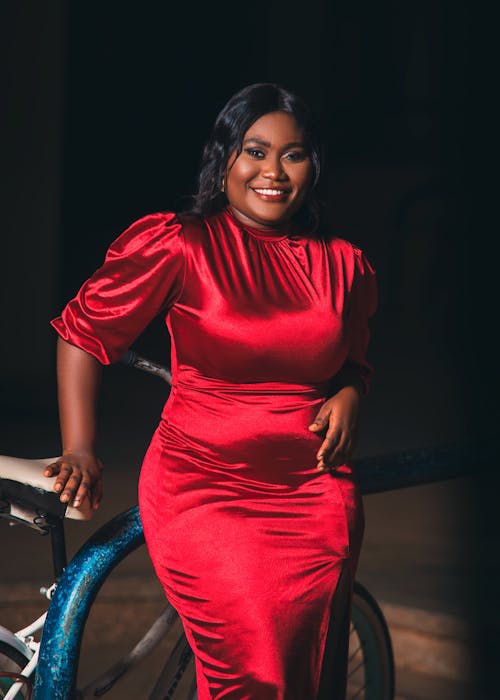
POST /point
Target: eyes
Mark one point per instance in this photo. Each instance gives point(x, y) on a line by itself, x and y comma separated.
point(293, 156)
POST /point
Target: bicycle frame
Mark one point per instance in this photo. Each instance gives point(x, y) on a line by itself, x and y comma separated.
point(55, 656)
point(73, 598)
point(25, 645)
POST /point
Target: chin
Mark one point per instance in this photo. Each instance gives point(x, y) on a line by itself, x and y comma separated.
point(273, 219)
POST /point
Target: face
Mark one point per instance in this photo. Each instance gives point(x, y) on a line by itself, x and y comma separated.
point(267, 183)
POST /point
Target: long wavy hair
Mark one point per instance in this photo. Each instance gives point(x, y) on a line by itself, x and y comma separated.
point(231, 125)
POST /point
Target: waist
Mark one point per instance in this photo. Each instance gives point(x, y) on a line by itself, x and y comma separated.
point(193, 381)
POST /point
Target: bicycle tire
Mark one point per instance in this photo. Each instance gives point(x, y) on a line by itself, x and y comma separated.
point(371, 659)
point(12, 661)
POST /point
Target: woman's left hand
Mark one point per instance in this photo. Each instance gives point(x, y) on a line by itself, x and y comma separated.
point(337, 420)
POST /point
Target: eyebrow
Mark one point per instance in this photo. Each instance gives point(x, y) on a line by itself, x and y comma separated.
point(261, 142)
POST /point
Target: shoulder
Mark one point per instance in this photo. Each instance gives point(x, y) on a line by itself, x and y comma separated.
point(353, 266)
point(193, 225)
point(351, 255)
point(152, 232)
point(200, 232)
point(341, 246)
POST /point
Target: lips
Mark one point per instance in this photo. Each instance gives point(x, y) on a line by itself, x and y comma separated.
point(271, 194)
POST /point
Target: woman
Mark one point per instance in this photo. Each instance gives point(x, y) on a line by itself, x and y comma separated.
point(250, 511)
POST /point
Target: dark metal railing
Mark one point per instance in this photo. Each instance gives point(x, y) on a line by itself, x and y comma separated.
point(397, 470)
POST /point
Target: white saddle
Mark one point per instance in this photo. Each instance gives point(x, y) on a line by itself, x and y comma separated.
point(30, 472)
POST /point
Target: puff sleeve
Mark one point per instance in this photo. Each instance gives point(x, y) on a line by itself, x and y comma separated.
point(362, 305)
point(142, 274)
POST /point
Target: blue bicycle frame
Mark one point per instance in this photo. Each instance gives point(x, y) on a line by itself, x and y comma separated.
point(73, 598)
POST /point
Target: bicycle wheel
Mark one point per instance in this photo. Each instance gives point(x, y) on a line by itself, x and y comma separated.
point(371, 661)
point(12, 661)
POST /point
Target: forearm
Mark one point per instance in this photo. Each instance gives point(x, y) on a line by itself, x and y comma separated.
point(78, 380)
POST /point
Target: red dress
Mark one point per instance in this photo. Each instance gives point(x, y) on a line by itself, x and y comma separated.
point(247, 538)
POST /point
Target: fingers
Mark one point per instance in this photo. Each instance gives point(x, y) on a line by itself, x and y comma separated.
point(84, 491)
point(75, 481)
point(68, 481)
point(335, 449)
point(321, 421)
point(337, 421)
point(329, 454)
point(51, 469)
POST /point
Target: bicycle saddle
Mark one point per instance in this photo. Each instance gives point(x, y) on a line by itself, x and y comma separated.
point(26, 495)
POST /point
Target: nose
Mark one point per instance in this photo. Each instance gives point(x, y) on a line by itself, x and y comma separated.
point(273, 169)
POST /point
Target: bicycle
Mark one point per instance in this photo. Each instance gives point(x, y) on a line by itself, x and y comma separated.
point(26, 498)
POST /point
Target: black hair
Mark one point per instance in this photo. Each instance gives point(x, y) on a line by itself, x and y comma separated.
point(232, 123)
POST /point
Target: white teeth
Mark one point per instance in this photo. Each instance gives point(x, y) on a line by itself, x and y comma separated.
point(269, 192)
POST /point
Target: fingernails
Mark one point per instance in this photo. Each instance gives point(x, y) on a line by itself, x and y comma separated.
point(65, 497)
point(58, 487)
point(77, 502)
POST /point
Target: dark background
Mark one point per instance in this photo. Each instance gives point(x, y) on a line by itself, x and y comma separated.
point(107, 107)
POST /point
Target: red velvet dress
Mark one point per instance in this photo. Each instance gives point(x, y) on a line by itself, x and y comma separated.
point(247, 538)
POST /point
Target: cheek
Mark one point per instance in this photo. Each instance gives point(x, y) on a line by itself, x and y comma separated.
point(302, 179)
point(241, 174)
point(306, 176)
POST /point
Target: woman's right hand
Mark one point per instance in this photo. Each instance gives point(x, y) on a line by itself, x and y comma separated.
point(79, 476)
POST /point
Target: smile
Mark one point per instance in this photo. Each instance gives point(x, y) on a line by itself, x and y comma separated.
point(271, 193)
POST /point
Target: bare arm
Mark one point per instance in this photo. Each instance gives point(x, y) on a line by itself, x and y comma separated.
point(79, 470)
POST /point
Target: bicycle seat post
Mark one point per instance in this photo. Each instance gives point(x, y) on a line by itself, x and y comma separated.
point(58, 542)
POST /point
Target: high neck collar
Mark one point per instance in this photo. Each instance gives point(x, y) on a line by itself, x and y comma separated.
point(266, 234)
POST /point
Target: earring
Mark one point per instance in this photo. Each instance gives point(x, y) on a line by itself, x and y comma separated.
point(223, 184)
